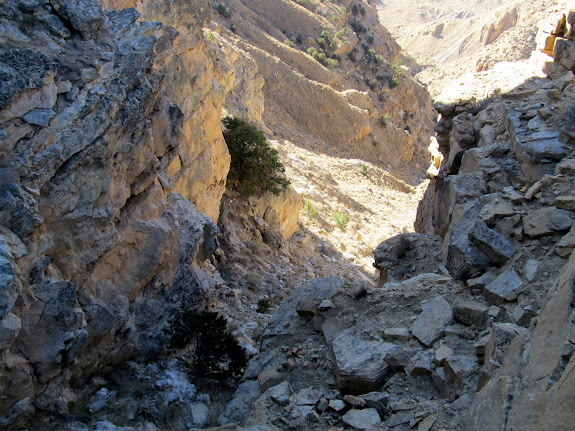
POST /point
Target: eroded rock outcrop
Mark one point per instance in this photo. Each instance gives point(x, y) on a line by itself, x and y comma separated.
point(112, 149)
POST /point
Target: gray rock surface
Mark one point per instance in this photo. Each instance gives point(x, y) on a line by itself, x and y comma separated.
point(365, 419)
point(504, 288)
point(471, 313)
point(492, 243)
point(359, 364)
point(434, 318)
point(545, 221)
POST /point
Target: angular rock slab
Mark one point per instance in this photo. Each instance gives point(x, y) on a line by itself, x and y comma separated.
point(492, 243)
point(566, 245)
point(359, 365)
point(458, 367)
point(429, 325)
point(546, 221)
point(285, 318)
point(503, 288)
point(471, 313)
point(365, 419)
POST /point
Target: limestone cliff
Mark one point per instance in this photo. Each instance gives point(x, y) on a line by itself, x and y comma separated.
point(111, 154)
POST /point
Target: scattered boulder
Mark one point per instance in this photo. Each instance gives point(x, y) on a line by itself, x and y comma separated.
point(269, 378)
point(434, 318)
point(365, 419)
point(523, 315)
point(565, 202)
point(337, 405)
point(308, 307)
point(397, 333)
point(421, 363)
point(377, 401)
point(459, 366)
point(359, 364)
point(547, 220)
point(504, 288)
point(355, 401)
point(471, 313)
point(492, 243)
point(280, 394)
point(566, 245)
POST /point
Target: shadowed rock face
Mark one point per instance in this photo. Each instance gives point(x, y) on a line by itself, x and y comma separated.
point(110, 130)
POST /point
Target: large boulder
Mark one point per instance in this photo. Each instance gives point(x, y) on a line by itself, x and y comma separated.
point(359, 364)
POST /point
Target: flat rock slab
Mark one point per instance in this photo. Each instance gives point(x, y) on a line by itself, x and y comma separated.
point(546, 221)
point(365, 419)
point(458, 367)
point(566, 245)
point(492, 243)
point(470, 313)
point(430, 324)
point(398, 333)
point(541, 150)
point(359, 364)
point(504, 288)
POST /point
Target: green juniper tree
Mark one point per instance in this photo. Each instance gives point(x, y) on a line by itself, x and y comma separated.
point(255, 167)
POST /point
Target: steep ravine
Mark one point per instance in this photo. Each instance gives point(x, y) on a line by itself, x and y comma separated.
point(113, 171)
point(115, 221)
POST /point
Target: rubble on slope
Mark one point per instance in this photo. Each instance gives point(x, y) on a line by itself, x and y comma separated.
point(498, 277)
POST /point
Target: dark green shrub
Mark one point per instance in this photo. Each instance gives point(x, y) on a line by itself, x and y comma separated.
point(217, 354)
point(255, 167)
point(224, 11)
point(357, 27)
point(322, 57)
point(384, 119)
point(299, 39)
point(397, 74)
point(233, 28)
point(371, 83)
point(325, 40)
point(263, 305)
point(353, 55)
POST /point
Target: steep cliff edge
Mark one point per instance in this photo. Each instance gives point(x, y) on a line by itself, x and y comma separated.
point(110, 135)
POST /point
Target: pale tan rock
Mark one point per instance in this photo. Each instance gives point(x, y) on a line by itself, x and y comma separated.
point(280, 212)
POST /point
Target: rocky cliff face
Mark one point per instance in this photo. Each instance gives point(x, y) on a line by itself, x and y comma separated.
point(112, 154)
